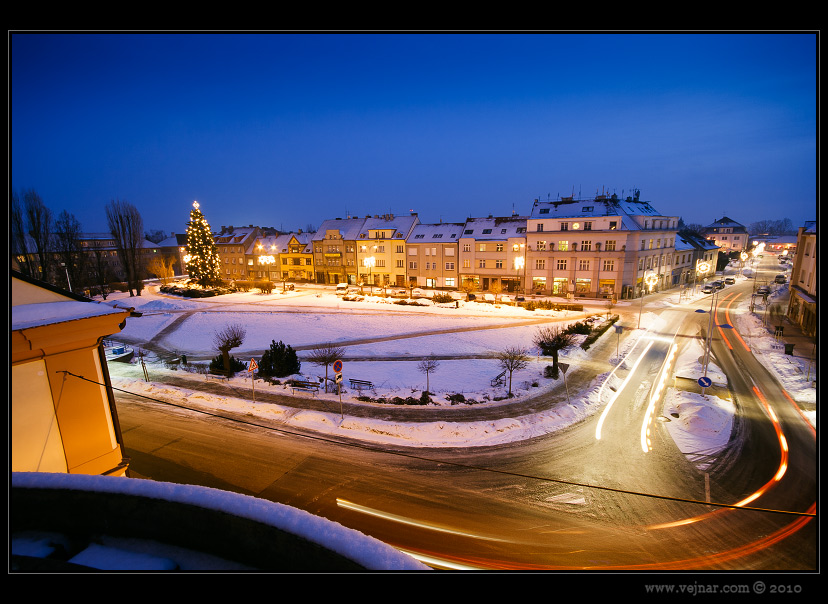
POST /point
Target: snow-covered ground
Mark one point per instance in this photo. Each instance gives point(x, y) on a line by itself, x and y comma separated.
point(316, 316)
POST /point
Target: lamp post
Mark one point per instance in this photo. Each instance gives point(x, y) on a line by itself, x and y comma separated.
point(701, 268)
point(66, 268)
point(742, 257)
point(370, 262)
point(650, 279)
point(267, 260)
point(710, 325)
point(520, 262)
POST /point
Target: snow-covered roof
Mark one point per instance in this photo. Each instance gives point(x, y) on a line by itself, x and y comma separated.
point(495, 228)
point(26, 316)
point(444, 232)
point(398, 227)
point(349, 228)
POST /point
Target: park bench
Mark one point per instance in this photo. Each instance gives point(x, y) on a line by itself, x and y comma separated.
point(498, 380)
point(360, 384)
point(217, 376)
point(311, 387)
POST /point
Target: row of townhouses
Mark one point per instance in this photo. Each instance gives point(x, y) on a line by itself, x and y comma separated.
point(601, 247)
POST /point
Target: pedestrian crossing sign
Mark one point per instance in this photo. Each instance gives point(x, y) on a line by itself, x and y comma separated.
point(253, 366)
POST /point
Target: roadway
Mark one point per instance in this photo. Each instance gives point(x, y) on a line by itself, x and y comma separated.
point(610, 493)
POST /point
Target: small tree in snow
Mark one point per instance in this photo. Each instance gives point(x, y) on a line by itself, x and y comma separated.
point(231, 336)
point(325, 354)
point(428, 365)
point(513, 358)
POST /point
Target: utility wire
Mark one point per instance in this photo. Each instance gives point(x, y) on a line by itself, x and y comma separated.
point(450, 463)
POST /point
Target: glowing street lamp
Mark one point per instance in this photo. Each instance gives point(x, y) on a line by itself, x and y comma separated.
point(702, 268)
point(267, 261)
point(370, 262)
point(650, 279)
point(520, 262)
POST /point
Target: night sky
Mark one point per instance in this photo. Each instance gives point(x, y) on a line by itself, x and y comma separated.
point(287, 130)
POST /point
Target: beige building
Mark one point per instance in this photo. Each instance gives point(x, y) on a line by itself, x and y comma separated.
point(601, 247)
point(431, 255)
point(727, 234)
point(63, 412)
point(802, 307)
point(493, 253)
point(380, 249)
point(334, 250)
point(232, 244)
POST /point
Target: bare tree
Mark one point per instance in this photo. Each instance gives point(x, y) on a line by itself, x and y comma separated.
point(162, 267)
point(67, 241)
point(551, 340)
point(127, 229)
point(227, 338)
point(100, 267)
point(468, 287)
point(511, 359)
point(325, 354)
point(428, 365)
point(19, 249)
point(39, 223)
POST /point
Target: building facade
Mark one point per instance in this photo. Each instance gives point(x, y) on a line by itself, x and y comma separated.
point(599, 248)
point(334, 251)
point(492, 253)
point(232, 245)
point(727, 234)
point(380, 249)
point(431, 255)
point(802, 306)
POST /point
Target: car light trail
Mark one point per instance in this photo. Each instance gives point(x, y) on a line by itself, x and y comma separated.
point(617, 392)
point(646, 444)
point(348, 505)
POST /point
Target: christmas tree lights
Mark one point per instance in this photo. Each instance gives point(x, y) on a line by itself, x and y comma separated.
point(202, 260)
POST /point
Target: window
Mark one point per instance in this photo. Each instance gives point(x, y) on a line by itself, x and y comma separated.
point(609, 265)
point(466, 263)
point(498, 263)
point(499, 247)
point(482, 247)
point(412, 264)
point(399, 249)
point(419, 236)
point(540, 263)
point(412, 251)
point(487, 231)
point(586, 246)
point(544, 211)
point(564, 226)
point(449, 266)
point(481, 264)
point(650, 245)
point(588, 226)
point(587, 208)
point(540, 228)
point(467, 247)
point(449, 281)
point(563, 246)
point(561, 264)
point(613, 225)
point(468, 232)
point(541, 246)
point(610, 246)
point(448, 251)
point(400, 263)
point(583, 265)
point(380, 263)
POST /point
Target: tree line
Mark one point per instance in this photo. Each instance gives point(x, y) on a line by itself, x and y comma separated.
point(52, 249)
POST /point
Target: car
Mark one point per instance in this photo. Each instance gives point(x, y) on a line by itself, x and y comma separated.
point(729, 280)
point(417, 293)
point(763, 290)
point(708, 289)
point(780, 279)
point(488, 298)
point(718, 284)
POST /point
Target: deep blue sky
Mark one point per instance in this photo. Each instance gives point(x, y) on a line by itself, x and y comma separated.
point(288, 130)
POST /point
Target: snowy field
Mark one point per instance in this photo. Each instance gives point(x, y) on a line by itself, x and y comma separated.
point(314, 316)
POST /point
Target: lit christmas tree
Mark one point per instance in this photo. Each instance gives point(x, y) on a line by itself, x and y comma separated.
point(202, 259)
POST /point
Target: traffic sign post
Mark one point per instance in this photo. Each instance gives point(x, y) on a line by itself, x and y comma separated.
point(251, 367)
point(705, 382)
point(337, 367)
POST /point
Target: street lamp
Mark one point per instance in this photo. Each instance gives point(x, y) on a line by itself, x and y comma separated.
point(267, 261)
point(370, 262)
point(520, 262)
point(650, 279)
point(69, 283)
point(710, 326)
point(701, 268)
point(743, 256)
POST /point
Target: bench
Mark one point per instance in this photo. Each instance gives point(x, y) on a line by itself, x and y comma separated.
point(360, 384)
point(217, 376)
point(498, 380)
point(311, 387)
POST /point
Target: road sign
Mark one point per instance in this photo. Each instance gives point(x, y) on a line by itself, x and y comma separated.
point(563, 366)
point(337, 366)
point(705, 382)
point(253, 366)
point(619, 328)
point(338, 378)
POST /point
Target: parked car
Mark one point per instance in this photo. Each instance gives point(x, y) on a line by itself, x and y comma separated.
point(708, 289)
point(780, 279)
point(417, 293)
point(718, 284)
point(763, 290)
point(729, 280)
point(488, 297)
